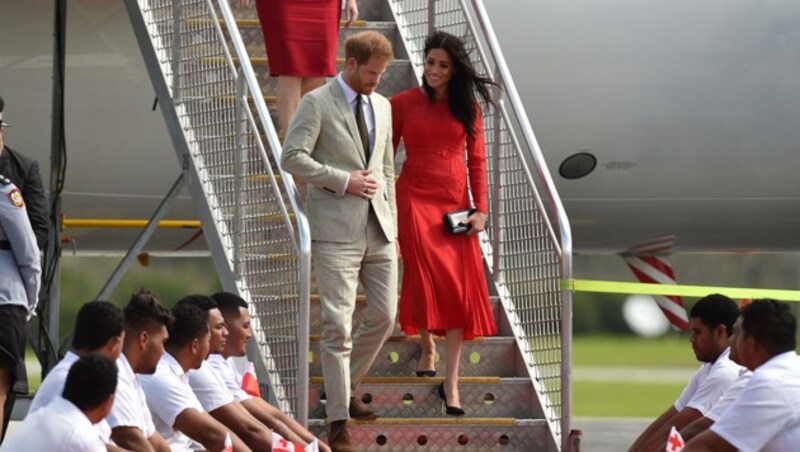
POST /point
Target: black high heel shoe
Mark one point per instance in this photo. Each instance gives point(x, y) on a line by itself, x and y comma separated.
point(426, 373)
point(451, 410)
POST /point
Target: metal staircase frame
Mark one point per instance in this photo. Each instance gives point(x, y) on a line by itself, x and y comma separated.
point(228, 167)
point(206, 95)
point(526, 258)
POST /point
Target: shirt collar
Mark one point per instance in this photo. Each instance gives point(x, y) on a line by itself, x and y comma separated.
point(173, 364)
point(349, 93)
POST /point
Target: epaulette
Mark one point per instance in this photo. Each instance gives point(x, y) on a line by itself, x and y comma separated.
point(4, 180)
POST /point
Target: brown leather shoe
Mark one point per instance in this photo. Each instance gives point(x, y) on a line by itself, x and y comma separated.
point(359, 411)
point(338, 438)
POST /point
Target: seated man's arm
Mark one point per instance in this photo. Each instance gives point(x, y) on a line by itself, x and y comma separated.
point(113, 448)
point(131, 438)
point(695, 428)
point(651, 429)
point(679, 421)
point(158, 443)
point(282, 423)
point(708, 441)
point(235, 417)
point(206, 430)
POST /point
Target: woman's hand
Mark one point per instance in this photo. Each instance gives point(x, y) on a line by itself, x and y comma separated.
point(478, 222)
point(352, 12)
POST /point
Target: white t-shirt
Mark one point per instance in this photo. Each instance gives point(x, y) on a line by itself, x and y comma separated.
point(59, 426)
point(730, 395)
point(766, 416)
point(227, 372)
point(209, 388)
point(708, 384)
point(168, 394)
point(130, 405)
point(52, 387)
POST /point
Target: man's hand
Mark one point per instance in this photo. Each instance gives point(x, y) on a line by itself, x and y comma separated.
point(362, 184)
point(352, 12)
point(478, 222)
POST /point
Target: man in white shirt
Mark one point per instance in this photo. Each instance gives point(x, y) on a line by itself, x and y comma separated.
point(711, 326)
point(66, 423)
point(237, 321)
point(177, 414)
point(212, 393)
point(702, 424)
point(146, 322)
point(98, 329)
point(765, 417)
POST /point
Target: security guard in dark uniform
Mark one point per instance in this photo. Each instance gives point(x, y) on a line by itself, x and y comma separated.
point(20, 279)
point(24, 173)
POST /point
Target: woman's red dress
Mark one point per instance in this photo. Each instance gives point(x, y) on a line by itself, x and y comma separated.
point(301, 36)
point(444, 285)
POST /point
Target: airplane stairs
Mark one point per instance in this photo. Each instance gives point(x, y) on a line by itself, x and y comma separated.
point(210, 71)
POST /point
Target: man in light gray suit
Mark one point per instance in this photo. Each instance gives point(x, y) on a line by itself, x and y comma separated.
point(340, 143)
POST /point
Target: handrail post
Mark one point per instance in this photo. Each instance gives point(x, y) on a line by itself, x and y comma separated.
point(239, 117)
point(497, 169)
point(431, 16)
point(177, 29)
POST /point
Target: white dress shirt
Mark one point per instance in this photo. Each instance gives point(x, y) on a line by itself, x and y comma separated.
point(730, 395)
point(209, 388)
point(708, 384)
point(130, 405)
point(766, 416)
point(168, 394)
point(52, 387)
point(59, 426)
point(369, 116)
point(227, 372)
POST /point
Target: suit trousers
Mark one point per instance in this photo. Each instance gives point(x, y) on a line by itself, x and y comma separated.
point(346, 355)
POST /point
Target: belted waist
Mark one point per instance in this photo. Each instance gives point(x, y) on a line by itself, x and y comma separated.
point(5, 245)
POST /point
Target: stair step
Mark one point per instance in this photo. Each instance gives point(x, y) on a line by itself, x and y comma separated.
point(255, 23)
point(316, 315)
point(400, 354)
point(453, 434)
point(398, 77)
point(414, 397)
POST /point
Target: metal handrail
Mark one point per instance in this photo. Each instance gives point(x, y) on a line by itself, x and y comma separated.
point(303, 229)
point(557, 209)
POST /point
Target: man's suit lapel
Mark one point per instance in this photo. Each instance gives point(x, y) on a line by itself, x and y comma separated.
point(379, 124)
point(344, 108)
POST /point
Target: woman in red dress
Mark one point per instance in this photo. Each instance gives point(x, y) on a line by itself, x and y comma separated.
point(444, 289)
point(302, 38)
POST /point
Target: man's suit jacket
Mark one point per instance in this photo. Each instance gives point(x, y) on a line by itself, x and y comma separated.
point(323, 146)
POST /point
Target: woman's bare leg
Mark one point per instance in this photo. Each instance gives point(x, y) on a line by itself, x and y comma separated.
point(453, 340)
point(427, 354)
point(288, 99)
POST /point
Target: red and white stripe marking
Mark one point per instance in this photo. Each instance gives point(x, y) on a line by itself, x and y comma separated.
point(648, 263)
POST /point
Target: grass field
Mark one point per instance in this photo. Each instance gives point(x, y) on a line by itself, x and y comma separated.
point(620, 376)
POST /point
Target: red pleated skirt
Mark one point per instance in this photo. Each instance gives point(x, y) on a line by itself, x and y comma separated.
point(444, 285)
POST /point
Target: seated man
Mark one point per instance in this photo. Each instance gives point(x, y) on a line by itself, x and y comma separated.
point(702, 424)
point(765, 417)
point(177, 414)
point(66, 423)
point(146, 323)
point(98, 329)
point(212, 393)
point(711, 324)
point(237, 321)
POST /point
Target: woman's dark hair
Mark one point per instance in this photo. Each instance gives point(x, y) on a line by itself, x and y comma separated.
point(463, 84)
